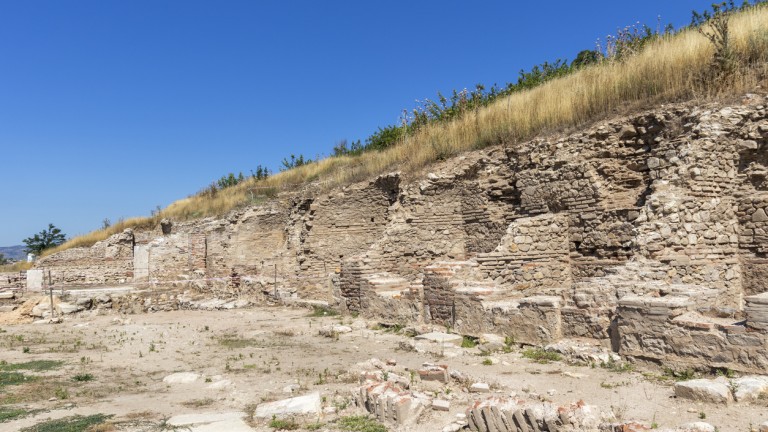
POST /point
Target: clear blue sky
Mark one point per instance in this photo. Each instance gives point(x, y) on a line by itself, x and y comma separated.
point(110, 108)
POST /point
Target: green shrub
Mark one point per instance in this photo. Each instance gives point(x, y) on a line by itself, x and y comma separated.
point(322, 311)
point(540, 355)
point(468, 342)
point(360, 424)
point(34, 365)
point(283, 424)
point(84, 377)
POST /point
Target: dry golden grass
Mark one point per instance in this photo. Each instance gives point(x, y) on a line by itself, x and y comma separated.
point(15, 267)
point(671, 69)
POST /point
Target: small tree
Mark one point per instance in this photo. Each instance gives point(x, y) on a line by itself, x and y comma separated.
point(295, 162)
point(45, 239)
point(714, 26)
point(3, 259)
point(261, 173)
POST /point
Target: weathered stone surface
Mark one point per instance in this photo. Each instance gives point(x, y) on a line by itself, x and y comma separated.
point(479, 388)
point(705, 390)
point(432, 372)
point(301, 405)
point(441, 405)
point(511, 414)
point(441, 338)
point(211, 422)
point(68, 308)
point(181, 378)
point(390, 402)
point(749, 388)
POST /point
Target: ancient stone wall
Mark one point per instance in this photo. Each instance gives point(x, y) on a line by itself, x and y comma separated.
point(107, 262)
point(577, 235)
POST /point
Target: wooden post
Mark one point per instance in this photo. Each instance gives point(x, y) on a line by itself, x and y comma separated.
point(275, 281)
point(453, 314)
point(50, 287)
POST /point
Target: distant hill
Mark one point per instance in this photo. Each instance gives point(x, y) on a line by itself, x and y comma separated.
point(13, 252)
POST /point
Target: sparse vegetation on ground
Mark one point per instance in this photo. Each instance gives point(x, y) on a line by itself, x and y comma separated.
point(468, 342)
point(7, 414)
point(70, 424)
point(360, 424)
point(322, 311)
point(283, 424)
point(250, 336)
point(540, 355)
point(34, 365)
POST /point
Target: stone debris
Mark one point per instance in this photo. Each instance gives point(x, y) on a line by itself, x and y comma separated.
point(211, 422)
point(390, 402)
point(434, 372)
point(220, 384)
point(723, 390)
point(441, 405)
point(333, 331)
point(181, 378)
point(441, 338)
point(479, 388)
point(497, 414)
point(291, 388)
point(370, 364)
point(705, 390)
point(749, 388)
point(68, 308)
point(309, 404)
point(584, 352)
point(698, 427)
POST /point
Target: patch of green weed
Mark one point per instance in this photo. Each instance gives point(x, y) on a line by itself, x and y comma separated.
point(541, 356)
point(360, 424)
point(35, 365)
point(322, 311)
point(468, 342)
point(69, 424)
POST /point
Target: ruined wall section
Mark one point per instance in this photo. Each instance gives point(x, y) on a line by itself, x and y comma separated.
point(443, 217)
point(345, 223)
point(109, 261)
point(532, 257)
point(751, 143)
point(558, 231)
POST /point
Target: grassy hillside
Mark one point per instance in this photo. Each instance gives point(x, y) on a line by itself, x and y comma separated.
point(674, 67)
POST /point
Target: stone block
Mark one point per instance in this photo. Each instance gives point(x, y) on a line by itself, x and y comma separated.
point(705, 390)
point(301, 405)
point(441, 405)
point(750, 388)
point(229, 421)
point(181, 378)
point(442, 338)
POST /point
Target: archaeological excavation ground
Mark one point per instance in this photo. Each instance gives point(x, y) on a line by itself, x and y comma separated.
point(580, 251)
point(610, 279)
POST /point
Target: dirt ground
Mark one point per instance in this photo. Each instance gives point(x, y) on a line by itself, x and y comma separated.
point(115, 365)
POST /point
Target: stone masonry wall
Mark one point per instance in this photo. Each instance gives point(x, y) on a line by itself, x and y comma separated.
point(584, 234)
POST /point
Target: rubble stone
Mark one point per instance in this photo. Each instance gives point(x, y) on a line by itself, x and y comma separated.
point(705, 390)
